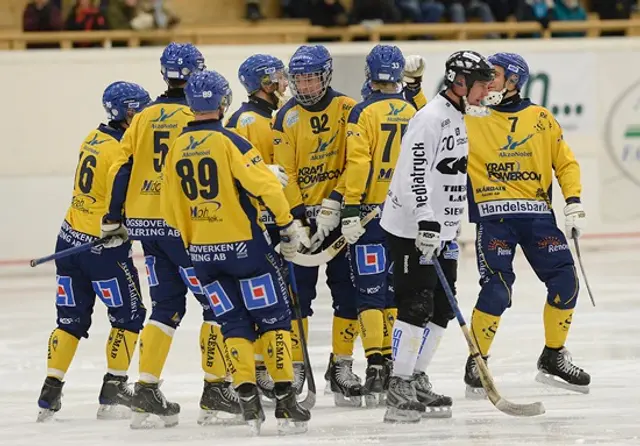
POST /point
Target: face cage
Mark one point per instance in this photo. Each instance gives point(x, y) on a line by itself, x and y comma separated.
point(278, 77)
point(310, 97)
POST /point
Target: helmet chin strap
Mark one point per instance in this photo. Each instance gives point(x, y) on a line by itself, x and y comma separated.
point(471, 110)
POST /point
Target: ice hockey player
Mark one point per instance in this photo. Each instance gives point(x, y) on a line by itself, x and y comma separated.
point(421, 215)
point(412, 82)
point(310, 143)
point(107, 273)
point(264, 78)
point(136, 178)
point(514, 153)
point(210, 178)
point(374, 131)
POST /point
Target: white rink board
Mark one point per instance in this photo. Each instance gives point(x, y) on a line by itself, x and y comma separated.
point(604, 340)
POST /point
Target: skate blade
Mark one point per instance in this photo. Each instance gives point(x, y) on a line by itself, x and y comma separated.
point(327, 388)
point(401, 416)
point(145, 420)
point(113, 412)
point(438, 412)
point(45, 415)
point(254, 426)
point(554, 381)
point(382, 400)
point(219, 418)
point(291, 427)
point(346, 401)
point(372, 400)
point(475, 393)
point(266, 401)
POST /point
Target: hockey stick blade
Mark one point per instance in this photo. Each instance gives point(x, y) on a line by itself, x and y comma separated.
point(503, 405)
point(313, 260)
point(584, 273)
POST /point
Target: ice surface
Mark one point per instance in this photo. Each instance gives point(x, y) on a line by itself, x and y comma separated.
point(604, 340)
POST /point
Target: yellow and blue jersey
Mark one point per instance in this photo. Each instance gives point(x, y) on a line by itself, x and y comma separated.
point(512, 155)
point(254, 122)
point(374, 131)
point(98, 152)
point(210, 180)
point(415, 96)
point(137, 174)
point(310, 143)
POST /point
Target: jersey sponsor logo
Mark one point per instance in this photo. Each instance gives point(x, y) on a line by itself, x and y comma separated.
point(552, 244)
point(194, 144)
point(452, 166)
point(160, 121)
point(218, 299)
point(320, 151)
point(500, 247)
point(486, 191)
point(218, 252)
point(512, 148)
point(509, 171)
point(418, 172)
point(292, 118)
point(73, 237)
point(310, 176)
point(491, 208)
point(246, 120)
point(150, 266)
point(151, 187)
point(140, 228)
point(108, 291)
point(395, 111)
point(258, 292)
point(370, 259)
point(189, 278)
point(64, 292)
point(82, 203)
point(206, 212)
point(385, 175)
point(95, 141)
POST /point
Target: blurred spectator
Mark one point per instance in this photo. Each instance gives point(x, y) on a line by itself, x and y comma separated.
point(612, 10)
point(85, 17)
point(253, 11)
point(569, 10)
point(41, 15)
point(542, 11)
point(139, 15)
point(328, 13)
point(502, 9)
point(459, 10)
point(421, 11)
point(295, 9)
point(372, 11)
point(120, 13)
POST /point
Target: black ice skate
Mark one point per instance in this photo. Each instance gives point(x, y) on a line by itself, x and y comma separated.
point(345, 385)
point(148, 400)
point(437, 406)
point(50, 398)
point(387, 370)
point(474, 390)
point(299, 377)
point(373, 388)
point(327, 376)
point(265, 385)
point(556, 369)
point(251, 406)
point(402, 402)
point(291, 416)
point(219, 404)
point(115, 398)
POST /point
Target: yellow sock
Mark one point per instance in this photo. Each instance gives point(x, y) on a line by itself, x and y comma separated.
point(483, 328)
point(390, 315)
point(278, 355)
point(258, 347)
point(155, 342)
point(296, 346)
point(120, 347)
point(372, 331)
point(242, 360)
point(556, 325)
point(345, 332)
point(212, 351)
point(60, 353)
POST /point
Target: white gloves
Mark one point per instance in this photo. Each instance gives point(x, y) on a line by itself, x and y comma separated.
point(279, 172)
point(413, 69)
point(575, 220)
point(329, 217)
point(291, 238)
point(116, 232)
point(428, 239)
point(351, 227)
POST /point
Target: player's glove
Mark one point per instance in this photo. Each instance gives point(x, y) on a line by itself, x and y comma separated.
point(116, 233)
point(428, 240)
point(279, 172)
point(291, 237)
point(329, 217)
point(351, 227)
point(413, 69)
point(575, 220)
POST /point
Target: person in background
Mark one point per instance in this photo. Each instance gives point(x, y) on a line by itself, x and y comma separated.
point(570, 10)
point(253, 11)
point(85, 16)
point(542, 11)
point(421, 11)
point(613, 10)
point(383, 11)
point(460, 10)
point(41, 15)
point(328, 13)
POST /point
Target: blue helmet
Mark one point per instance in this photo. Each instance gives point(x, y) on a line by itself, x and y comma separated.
point(260, 70)
point(311, 67)
point(385, 63)
point(180, 60)
point(513, 65)
point(120, 97)
point(366, 90)
point(208, 91)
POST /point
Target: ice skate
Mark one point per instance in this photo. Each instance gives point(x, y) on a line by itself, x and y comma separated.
point(251, 406)
point(219, 404)
point(437, 406)
point(402, 402)
point(299, 377)
point(115, 398)
point(148, 400)
point(555, 368)
point(265, 385)
point(373, 385)
point(387, 370)
point(474, 389)
point(291, 416)
point(327, 376)
point(345, 385)
point(50, 398)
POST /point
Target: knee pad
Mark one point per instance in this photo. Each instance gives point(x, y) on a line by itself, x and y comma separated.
point(495, 295)
point(563, 288)
point(169, 312)
point(418, 310)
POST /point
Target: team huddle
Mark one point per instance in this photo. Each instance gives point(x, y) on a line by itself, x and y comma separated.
point(210, 197)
